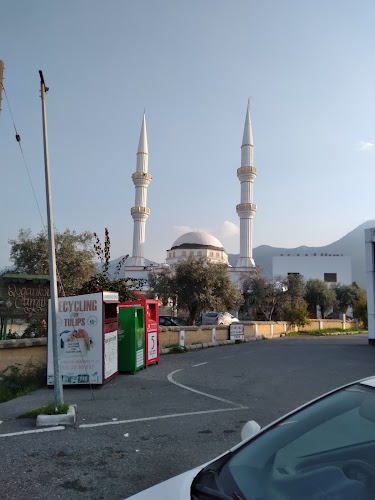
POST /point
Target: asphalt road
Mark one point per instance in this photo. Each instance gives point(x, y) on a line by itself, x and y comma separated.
point(141, 429)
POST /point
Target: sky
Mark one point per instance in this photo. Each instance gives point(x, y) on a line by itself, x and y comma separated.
point(307, 66)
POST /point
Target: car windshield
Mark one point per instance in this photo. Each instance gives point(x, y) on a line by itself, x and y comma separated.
point(178, 321)
point(324, 451)
point(171, 321)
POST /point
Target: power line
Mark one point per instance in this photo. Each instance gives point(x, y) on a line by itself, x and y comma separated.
point(18, 139)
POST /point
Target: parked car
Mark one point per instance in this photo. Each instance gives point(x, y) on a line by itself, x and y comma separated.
point(323, 450)
point(215, 318)
point(171, 321)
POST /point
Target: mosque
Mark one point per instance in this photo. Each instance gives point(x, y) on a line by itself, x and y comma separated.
point(194, 244)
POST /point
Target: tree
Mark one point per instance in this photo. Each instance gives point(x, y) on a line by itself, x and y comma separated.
point(294, 307)
point(200, 285)
point(346, 295)
point(74, 256)
point(360, 306)
point(297, 315)
point(319, 294)
point(102, 281)
point(295, 289)
point(263, 295)
point(162, 284)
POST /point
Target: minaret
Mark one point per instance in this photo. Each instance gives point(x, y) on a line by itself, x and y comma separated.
point(140, 212)
point(246, 209)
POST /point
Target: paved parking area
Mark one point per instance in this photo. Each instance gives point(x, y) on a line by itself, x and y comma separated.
point(143, 428)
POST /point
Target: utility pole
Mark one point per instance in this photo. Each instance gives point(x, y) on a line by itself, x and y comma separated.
point(1, 79)
point(59, 399)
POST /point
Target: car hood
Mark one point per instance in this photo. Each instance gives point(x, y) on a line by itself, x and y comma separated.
point(176, 488)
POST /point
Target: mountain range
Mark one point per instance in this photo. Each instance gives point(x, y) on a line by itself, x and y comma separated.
point(352, 245)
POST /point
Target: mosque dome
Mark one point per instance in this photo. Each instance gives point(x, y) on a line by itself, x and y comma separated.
point(197, 244)
point(195, 238)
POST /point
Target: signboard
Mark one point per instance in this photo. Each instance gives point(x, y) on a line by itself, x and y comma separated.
point(236, 331)
point(24, 296)
point(152, 345)
point(110, 353)
point(80, 340)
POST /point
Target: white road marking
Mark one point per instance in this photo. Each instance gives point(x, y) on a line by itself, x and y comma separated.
point(200, 364)
point(34, 431)
point(159, 417)
point(226, 357)
point(170, 378)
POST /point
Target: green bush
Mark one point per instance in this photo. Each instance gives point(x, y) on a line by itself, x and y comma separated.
point(296, 316)
point(17, 380)
point(36, 329)
point(176, 349)
point(329, 331)
point(49, 409)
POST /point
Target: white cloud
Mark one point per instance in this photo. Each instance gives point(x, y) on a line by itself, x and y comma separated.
point(228, 234)
point(229, 229)
point(183, 229)
point(365, 146)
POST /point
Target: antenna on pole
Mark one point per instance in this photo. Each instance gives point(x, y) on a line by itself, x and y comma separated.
point(59, 399)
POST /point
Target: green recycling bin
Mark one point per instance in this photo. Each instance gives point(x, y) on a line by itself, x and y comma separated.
point(131, 339)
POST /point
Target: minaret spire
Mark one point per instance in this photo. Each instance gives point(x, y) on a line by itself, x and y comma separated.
point(140, 212)
point(246, 209)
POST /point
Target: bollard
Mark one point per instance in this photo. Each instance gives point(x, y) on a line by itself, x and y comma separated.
point(181, 338)
point(213, 334)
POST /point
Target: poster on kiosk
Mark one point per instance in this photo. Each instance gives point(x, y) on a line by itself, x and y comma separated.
point(151, 308)
point(87, 330)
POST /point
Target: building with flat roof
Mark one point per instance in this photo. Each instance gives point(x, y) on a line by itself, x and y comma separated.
point(331, 268)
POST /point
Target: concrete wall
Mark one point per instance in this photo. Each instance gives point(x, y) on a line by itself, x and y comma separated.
point(24, 351)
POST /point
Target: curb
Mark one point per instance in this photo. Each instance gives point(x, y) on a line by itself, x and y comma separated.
point(63, 419)
point(205, 345)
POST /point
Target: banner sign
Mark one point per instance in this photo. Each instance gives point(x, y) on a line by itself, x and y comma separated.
point(80, 341)
point(236, 331)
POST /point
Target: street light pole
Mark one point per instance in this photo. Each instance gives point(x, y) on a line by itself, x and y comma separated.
point(59, 399)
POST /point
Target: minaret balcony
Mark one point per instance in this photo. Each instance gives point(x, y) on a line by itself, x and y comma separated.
point(140, 213)
point(141, 179)
point(246, 209)
point(246, 173)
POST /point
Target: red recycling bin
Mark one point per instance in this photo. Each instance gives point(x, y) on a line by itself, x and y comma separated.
point(151, 308)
